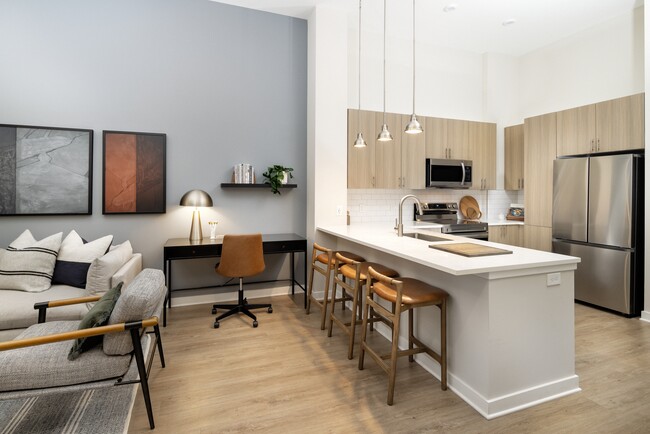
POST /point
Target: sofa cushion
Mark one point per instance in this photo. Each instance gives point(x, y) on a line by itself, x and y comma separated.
point(27, 264)
point(17, 307)
point(139, 300)
point(97, 316)
point(44, 366)
point(103, 268)
point(75, 257)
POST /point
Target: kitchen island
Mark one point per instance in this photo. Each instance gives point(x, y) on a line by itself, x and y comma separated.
point(510, 318)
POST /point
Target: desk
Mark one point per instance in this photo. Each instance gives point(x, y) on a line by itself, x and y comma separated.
point(182, 248)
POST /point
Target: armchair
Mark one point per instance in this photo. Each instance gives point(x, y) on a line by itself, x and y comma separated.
point(36, 362)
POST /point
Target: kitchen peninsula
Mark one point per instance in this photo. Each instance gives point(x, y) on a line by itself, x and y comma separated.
point(510, 320)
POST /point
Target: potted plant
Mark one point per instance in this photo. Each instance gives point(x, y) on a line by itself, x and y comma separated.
point(277, 175)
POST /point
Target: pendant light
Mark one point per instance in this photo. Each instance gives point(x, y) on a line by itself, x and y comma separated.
point(384, 134)
point(413, 127)
point(359, 142)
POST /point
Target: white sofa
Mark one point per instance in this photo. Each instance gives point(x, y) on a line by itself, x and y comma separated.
point(17, 307)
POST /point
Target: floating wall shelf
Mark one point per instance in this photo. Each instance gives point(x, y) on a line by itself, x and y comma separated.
point(233, 185)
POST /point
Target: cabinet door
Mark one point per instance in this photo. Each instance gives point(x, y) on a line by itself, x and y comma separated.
point(458, 140)
point(620, 124)
point(514, 157)
point(506, 234)
point(496, 234)
point(483, 154)
point(539, 153)
point(576, 130)
point(537, 237)
point(361, 161)
point(413, 156)
point(388, 155)
point(436, 137)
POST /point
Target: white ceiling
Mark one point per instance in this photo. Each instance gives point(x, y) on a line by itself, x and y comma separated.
point(475, 25)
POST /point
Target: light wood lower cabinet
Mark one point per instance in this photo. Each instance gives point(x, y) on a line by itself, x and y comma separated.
point(514, 157)
point(506, 234)
point(361, 161)
point(537, 237)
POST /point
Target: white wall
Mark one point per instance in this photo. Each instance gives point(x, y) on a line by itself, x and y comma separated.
point(645, 315)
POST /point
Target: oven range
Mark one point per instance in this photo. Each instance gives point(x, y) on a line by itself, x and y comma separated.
point(446, 214)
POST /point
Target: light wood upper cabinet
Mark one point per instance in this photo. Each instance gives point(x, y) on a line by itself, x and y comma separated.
point(413, 156)
point(436, 137)
point(483, 153)
point(388, 155)
point(458, 144)
point(620, 124)
point(514, 157)
point(361, 161)
point(607, 126)
point(539, 152)
point(576, 130)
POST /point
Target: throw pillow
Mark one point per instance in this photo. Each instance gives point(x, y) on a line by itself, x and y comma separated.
point(75, 257)
point(27, 264)
point(96, 317)
point(103, 268)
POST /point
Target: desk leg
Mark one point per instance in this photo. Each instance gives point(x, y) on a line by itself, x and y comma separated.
point(305, 288)
point(293, 277)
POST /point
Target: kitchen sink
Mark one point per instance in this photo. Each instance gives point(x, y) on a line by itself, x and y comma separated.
point(425, 237)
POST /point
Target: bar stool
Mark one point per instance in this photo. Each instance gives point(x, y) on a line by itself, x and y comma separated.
point(351, 290)
point(407, 294)
point(322, 261)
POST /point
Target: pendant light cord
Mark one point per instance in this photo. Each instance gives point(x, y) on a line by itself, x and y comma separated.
point(384, 117)
point(359, 111)
point(413, 56)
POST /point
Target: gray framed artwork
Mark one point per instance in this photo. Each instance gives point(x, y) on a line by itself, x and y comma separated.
point(45, 170)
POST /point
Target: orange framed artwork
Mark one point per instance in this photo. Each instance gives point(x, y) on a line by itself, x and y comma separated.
point(133, 173)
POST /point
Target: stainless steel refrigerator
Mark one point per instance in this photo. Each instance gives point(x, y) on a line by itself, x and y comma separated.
point(598, 216)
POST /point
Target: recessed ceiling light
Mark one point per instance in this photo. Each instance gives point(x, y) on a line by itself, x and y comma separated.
point(450, 7)
point(509, 22)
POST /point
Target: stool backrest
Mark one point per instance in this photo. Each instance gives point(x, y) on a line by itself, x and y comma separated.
point(241, 256)
point(392, 284)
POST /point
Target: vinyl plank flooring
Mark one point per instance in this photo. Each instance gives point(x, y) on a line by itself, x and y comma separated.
point(287, 376)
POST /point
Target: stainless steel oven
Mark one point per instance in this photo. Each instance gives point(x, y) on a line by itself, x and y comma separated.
point(443, 173)
point(446, 215)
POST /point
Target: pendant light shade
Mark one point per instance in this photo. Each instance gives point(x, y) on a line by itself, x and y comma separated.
point(384, 134)
point(413, 127)
point(359, 142)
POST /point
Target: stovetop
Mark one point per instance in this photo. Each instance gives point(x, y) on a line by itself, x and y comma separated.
point(446, 214)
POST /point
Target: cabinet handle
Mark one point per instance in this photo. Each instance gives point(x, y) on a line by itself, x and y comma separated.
point(598, 145)
point(592, 145)
point(373, 181)
point(449, 152)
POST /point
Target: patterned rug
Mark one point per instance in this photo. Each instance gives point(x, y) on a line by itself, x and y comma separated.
point(94, 411)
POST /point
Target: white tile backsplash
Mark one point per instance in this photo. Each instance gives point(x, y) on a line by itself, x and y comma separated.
point(379, 205)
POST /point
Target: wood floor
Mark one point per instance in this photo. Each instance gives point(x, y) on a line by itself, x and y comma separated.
point(287, 376)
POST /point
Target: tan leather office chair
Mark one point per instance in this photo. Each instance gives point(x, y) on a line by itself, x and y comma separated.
point(241, 256)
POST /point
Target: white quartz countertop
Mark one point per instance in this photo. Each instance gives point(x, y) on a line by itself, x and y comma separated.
point(382, 237)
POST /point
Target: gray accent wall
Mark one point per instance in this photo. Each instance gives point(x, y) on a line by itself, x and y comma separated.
point(226, 84)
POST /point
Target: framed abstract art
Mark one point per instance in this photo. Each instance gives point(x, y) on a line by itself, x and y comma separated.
point(45, 170)
point(133, 173)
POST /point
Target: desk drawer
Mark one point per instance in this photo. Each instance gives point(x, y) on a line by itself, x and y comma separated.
point(285, 246)
point(198, 251)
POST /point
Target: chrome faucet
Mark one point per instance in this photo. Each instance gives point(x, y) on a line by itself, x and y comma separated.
point(400, 226)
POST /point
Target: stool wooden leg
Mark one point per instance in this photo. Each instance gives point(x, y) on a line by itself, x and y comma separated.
point(310, 288)
point(411, 359)
point(353, 318)
point(443, 344)
point(333, 304)
point(323, 316)
point(364, 328)
point(392, 373)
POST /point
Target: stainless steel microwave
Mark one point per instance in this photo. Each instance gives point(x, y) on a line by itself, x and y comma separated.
point(444, 173)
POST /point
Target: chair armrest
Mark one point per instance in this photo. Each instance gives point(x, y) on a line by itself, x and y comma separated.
point(95, 331)
point(43, 305)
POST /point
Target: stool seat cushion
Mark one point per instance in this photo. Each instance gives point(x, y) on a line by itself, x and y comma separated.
point(322, 258)
point(350, 272)
point(413, 292)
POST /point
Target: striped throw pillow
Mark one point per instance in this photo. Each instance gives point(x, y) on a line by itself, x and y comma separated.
point(27, 264)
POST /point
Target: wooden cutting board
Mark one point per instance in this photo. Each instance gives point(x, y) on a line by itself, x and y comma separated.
point(470, 250)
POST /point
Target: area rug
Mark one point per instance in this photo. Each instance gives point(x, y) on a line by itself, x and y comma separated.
point(94, 411)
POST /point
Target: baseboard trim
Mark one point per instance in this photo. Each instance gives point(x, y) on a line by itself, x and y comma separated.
point(645, 316)
point(192, 297)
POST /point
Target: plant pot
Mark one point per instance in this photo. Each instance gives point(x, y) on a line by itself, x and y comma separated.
point(285, 179)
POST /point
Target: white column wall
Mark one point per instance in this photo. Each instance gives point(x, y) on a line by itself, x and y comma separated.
point(327, 117)
point(645, 315)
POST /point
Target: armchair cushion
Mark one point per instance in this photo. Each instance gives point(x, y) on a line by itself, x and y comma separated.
point(97, 316)
point(47, 365)
point(140, 299)
point(27, 264)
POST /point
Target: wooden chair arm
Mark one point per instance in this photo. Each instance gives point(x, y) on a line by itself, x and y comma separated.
point(66, 302)
point(94, 331)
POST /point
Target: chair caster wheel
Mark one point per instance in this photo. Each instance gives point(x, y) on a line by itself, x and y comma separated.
point(270, 310)
point(214, 311)
point(216, 324)
point(255, 324)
